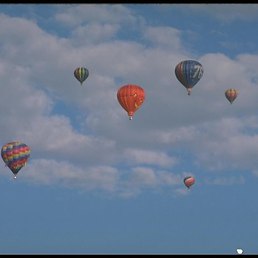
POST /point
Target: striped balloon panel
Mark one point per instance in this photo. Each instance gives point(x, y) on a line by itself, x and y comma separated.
point(15, 155)
point(81, 74)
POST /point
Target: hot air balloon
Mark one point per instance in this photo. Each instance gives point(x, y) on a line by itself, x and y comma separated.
point(15, 155)
point(189, 181)
point(231, 94)
point(131, 97)
point(81, 74)
point(189, 72)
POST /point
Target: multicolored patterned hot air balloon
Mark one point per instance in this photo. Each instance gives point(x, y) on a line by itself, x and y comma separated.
point(81, 74)
point(131, 97)
point(189, 181)
point(15, 155)
point(189, 72)
point(231, 94)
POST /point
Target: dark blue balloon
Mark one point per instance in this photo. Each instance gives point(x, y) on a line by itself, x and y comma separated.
point(189, 72)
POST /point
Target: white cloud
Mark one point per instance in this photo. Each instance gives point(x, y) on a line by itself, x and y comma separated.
point(141, 178)
point(226, 12)
point(95, 32)
point(144, 176)
point(75, 15)
point(164, 37)
point(226, 144)
point(232, 180)
point(51, 172)
point(149, 157)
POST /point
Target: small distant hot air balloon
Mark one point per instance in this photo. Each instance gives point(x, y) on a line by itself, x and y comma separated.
point(131, 97)
point(15, 155)
point(189, 72)
point(231, 94)
point(81, 74)
point(189, 181)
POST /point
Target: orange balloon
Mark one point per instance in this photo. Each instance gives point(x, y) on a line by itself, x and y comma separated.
point(130, 97)
point(231, 94)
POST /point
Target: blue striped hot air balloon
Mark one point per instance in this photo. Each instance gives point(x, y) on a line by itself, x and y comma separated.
point(189, 72)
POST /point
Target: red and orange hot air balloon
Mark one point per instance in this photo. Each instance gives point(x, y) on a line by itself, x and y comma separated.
point(130, 97)
point(15, 155)
point(231, 94)
point(189, 181)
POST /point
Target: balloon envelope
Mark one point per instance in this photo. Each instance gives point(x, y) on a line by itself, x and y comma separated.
point(231, 94)
point(189, 181)
point(131, 97)
point(81, 74)
point(15, 155)
point(189, 72)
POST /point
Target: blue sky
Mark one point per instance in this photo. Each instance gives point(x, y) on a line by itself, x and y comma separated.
point(98, 183)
